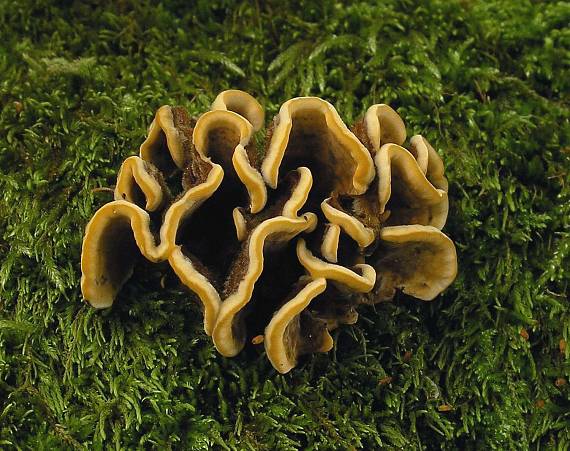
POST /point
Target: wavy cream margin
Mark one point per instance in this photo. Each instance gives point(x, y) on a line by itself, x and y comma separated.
point(284, 229)
point(275, 345)
point(364, 236)
point(429, 161)
point(329, 245)
point(429, 274)
point(384, 125)
point(242, 103)
point(364, 169)
point(163, 122)
point(94, 286)
point(316, 267)
point(249, 176)
point(135, 170)
point(425, 193)
point(140, 225)
point(199, 284)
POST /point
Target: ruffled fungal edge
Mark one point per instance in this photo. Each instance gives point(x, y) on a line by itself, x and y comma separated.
point(242, 103)
point(360, 278)
point(383, 125)
point(429, 204)
point(279, 228)
point(248, 175)
point(112, 235)
point(362, 171)
point(139, 178)
point(419, 260)
point(163, 133)
point(102, 226)
point(282, 334)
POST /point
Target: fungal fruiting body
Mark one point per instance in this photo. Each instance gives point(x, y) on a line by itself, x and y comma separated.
point(280, 245)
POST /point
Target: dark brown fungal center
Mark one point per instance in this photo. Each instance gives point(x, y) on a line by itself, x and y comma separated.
point(240, 262)
point(277, 199)
point(405, 207)
point(305, 334)
point(311, 144)
point(281, 267)
point(273, 288)
point(348, 253)
point(397, 263)
point(118, 253)
point(335, 306)
point(219, 146)
point(209, 233)
point(135, 194)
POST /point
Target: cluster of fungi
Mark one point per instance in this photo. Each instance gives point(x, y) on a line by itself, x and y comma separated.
point(281, 243)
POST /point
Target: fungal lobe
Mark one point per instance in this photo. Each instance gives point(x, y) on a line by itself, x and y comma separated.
point(279, 246)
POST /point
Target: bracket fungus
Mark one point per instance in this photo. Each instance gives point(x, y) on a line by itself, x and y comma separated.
point(280, 245)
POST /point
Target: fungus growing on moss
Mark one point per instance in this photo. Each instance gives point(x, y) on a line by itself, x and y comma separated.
point(281, 247)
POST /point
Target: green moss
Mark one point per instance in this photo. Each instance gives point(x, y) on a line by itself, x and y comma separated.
point(487, 83)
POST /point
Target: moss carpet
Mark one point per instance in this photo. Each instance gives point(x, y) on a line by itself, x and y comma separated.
point(485, 366)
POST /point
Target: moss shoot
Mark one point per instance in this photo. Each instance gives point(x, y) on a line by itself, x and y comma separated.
point(485, 366)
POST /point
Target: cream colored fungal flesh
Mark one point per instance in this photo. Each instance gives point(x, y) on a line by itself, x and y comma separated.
point(431, 163)
point(230, 127)
point(329, 246)
point(359, 278)
point(136, 180)
point(363, 235)
point(163, 145)
point(112, 238)
point(384, 126)
point(242, 103)
point(279, 228)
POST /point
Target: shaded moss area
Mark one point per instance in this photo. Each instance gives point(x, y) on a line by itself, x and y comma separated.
point(484, 366)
